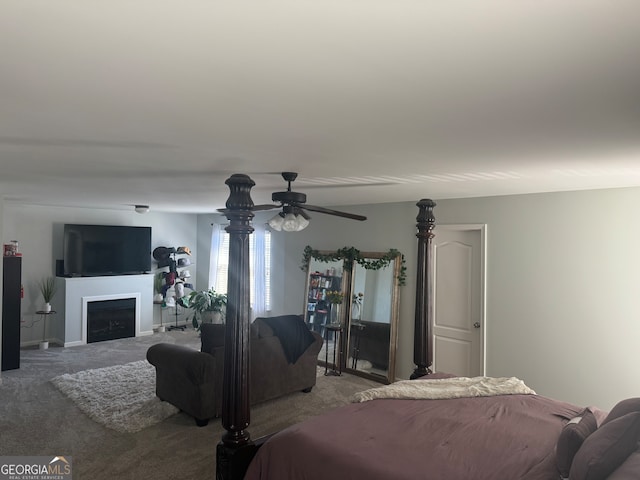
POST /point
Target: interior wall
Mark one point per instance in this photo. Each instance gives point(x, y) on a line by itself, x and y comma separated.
point(562, 284)
point(1, 274)
point(562, 290)
point(39, 231)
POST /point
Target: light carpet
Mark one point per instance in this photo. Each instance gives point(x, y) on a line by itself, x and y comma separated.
point(122, 397)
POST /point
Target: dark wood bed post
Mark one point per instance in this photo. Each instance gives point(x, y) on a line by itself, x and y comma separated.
point(422, 337)
point(236, 449)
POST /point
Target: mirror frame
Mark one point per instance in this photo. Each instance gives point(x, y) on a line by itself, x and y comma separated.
point(369, 261)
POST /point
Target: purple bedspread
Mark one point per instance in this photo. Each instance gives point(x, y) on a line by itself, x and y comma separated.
point(493, 438)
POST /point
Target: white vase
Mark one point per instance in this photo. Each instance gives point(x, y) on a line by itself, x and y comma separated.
point(47, 307)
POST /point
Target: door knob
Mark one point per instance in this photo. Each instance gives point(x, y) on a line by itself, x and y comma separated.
point(476, 325)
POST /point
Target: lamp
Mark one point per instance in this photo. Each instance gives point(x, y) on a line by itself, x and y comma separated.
point(142, 208)
point(289, 220)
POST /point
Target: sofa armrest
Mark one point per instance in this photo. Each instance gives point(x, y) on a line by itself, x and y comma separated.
point(316, 346)
point(199, 367)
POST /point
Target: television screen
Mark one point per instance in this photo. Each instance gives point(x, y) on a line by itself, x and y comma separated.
point(94, 250)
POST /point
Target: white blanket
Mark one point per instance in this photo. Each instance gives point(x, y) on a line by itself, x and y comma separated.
point(441, 388)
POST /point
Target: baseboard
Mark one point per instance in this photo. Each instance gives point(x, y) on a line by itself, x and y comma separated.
point(32, 343)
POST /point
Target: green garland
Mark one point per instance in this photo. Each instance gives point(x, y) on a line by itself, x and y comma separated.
point(351, 255)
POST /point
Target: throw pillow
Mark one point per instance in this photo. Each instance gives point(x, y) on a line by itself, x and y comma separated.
point(623, 407)
point(571, 438)
point(629, 469)
point(607, 448)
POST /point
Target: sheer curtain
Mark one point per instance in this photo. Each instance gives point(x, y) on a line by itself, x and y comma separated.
point(258, 273)
point(260, 266)
point(217, 233)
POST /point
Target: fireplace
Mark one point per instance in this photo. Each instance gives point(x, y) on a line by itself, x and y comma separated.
point(74, 295)
point(111, 319)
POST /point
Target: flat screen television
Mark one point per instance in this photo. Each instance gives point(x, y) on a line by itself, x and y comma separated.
point(97, 250)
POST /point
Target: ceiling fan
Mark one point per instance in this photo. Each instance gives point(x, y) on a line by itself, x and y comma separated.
point(293, 216)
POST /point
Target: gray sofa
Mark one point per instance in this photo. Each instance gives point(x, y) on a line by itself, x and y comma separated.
point(192, 380)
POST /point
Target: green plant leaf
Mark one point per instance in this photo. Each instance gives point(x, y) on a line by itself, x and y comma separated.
point(351, 254)
point(48, 288)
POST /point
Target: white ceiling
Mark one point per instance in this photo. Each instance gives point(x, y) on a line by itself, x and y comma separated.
point(109, 103)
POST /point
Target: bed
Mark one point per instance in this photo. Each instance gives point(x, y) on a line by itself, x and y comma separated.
point(412, 439)
point(467, 432)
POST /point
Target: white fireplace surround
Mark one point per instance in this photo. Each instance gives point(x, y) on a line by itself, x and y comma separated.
point(100, 298)
point(75, 293)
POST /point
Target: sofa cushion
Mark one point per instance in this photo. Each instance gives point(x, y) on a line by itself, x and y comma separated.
point(260, 329)
point(294, 335)
point(211, 336)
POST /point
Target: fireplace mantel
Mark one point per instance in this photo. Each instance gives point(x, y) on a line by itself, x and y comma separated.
point(72, 296)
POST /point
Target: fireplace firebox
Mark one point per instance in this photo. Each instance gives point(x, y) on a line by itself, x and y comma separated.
point(111, 319)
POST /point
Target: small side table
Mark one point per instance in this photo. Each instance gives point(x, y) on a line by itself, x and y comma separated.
point(336, 329)
point(44, 344)
point(358, 328)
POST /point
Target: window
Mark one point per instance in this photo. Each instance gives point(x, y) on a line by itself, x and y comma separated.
point(259, 266)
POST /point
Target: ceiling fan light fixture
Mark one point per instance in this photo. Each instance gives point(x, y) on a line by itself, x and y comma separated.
point(288, 222)
point(302, 223)
point(276, 222)
point(141, 208)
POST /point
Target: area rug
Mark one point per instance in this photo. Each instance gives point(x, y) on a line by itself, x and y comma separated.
point(121, 397)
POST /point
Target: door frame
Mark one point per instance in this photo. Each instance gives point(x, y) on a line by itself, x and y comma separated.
point(481, 228)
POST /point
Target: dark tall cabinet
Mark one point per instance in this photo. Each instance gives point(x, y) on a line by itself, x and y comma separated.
point(11, 286)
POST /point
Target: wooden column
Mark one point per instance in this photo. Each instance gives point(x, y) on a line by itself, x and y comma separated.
point(236, 444)
point(423, 332)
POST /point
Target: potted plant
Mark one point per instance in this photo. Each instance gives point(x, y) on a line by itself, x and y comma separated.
point(158, 282)
point(206, 306)
point(48, 289)
point(335, 298)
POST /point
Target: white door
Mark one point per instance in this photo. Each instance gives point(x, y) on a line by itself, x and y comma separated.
point(458, 331)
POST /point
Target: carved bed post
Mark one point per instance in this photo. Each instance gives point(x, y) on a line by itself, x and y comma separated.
point(423, 335)
point(236, 443)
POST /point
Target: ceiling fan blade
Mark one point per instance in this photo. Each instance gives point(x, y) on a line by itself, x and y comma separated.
point(255, 208)
point(338, 213)
point(300, 211)
point(268, 206)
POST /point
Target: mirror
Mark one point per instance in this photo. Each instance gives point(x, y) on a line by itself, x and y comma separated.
point(372, 333)
point(355, 293)
point(322, 278)
point(324, 282)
